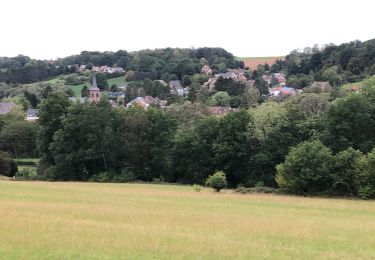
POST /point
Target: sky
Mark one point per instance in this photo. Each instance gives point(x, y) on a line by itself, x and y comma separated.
point(49, 29)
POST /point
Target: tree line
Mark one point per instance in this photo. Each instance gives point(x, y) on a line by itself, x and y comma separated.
point(167, 63)
point(338, 64)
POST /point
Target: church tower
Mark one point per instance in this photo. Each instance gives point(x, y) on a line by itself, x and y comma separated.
point(94, 90)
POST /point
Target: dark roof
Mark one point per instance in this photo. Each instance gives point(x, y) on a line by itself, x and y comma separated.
point(6, 107)
point(94, 86)
point(31, 112)
point(176, 84)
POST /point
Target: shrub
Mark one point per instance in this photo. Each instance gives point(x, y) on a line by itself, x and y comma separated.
point(100, 177)
point(306, 169)
point(217, 181)
point(365, 192)
point(5, 164)
point(264, 190)
point(365, 180)
point(51, 173)
point(197, 188)
point(126, 175)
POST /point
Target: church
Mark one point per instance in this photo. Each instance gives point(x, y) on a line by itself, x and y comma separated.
point(94, 91)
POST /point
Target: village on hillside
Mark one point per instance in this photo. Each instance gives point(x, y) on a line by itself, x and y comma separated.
point(275, 82)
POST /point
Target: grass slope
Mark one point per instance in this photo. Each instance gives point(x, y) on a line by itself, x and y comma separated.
point(41, 220)
point(77, 89)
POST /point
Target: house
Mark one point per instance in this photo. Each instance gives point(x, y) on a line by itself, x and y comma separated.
point(31, 114)
point(268, 78)
point(6, 107)
point(235, 74)
point(206, 70)
point(323, 86)
point(280, 78)
point(177, 89)
point(282, 91)
point(115, 95)
point(210, 84)
point(82, 68)
point(146, 101)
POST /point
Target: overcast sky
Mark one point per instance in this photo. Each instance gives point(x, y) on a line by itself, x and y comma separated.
point(51, 29)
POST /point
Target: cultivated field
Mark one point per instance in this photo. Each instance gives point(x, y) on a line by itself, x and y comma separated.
point(253, 62)
point(41, 220)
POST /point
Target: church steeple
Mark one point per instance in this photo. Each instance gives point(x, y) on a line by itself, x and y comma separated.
point(94, 90)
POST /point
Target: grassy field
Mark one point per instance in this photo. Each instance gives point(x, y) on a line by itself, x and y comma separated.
point(41, 220)
point(253, 62)
point(349, 86)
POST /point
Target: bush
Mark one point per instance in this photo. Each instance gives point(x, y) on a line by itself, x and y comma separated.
point(365, 180)
point(8, 166)
point(264, 190)
point(51, 173)
point(197, 188)
point(365, 192)
point(126, 175)
point(217, 181)
point(100, 177)
point(306, 169)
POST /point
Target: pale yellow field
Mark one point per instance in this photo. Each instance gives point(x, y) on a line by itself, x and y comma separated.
point(41, 220)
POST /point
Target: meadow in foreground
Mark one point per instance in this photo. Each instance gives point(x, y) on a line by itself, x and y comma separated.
point(41, 220)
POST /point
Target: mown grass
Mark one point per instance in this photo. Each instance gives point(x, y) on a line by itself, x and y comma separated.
point(41, 220)
point(77, 89)
point(119, 81)
point(349, 86)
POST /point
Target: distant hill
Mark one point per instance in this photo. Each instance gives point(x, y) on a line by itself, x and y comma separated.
point(253, 62)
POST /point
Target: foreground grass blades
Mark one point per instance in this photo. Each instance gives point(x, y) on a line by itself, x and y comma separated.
point(41, 220)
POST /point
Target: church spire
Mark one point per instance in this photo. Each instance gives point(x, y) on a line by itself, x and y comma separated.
point(94, 84)
point(94, 90)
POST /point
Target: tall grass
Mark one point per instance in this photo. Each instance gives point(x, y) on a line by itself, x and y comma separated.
point(40, 220)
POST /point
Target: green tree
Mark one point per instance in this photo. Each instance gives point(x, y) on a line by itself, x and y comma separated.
point(306, 169)
point(220, 98)
point(7, 165)
point(51, 113)
point(101, 80)
point(350, 123)
point(344, 170)
point(365, 181)
point(192, 154)
point(19, 138)
point(217, 181)
point(85, 91)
